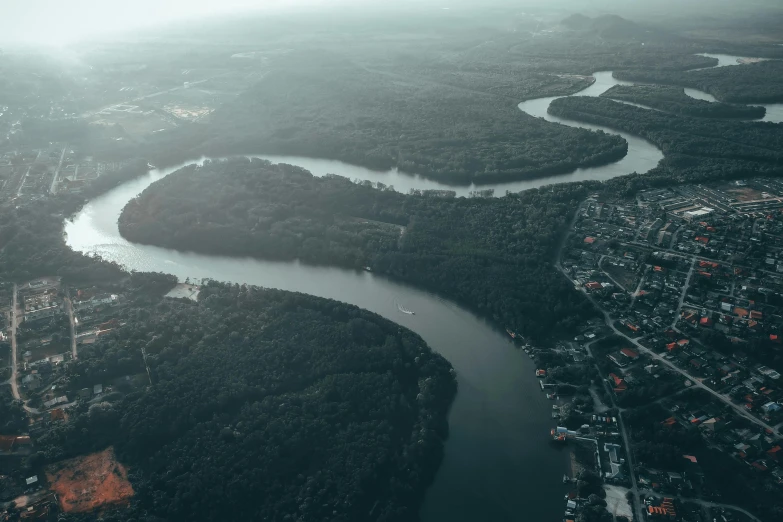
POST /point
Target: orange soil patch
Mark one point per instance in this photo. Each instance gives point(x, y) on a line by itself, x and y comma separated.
point(87, 483)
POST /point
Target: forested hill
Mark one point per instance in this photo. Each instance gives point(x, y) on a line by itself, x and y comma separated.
point(266, 405)
point(493, 255)
point(673, 99)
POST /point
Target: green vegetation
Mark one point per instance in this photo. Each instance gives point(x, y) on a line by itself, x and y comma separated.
point(267, 405)
point(749, 83)
point(758, 145)
point(674, 100)
point(32, 245)
point(492, 254)
point(13, 420)
point(328, 108)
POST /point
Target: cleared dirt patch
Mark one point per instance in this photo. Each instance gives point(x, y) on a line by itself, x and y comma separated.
point(91, 482)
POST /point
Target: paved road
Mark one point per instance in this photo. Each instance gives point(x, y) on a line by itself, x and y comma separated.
point(69, 308)
point(638, 289)
point(53, 188)
point(14, 368)
point(636, 504)
point(684, 293)
point(738, 409)
point(14, 382)
point(601, 266)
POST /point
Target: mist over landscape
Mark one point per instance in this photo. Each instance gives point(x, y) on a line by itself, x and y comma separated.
point(310, 260)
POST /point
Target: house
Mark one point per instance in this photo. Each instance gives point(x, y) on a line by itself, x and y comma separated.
point(31, 480)
point(774, 453)
point(629, 353)
point(619, 384)
point(615, 461)
point(666, 509)
point(32, 381)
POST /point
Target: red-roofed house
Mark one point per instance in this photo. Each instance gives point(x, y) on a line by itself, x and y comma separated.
point(683, 342)
point(671, 346)
point(755, 314)
point(741, 312)
point(593, 286)
point(705, 321)
point(774, 453)
point(619, 383)
point(702, 239)
point(589, 240)
point(629, 353)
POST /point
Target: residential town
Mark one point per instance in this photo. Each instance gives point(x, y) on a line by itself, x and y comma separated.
point(689, 281)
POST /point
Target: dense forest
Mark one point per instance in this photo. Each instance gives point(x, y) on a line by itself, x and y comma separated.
point(748, 83)
point(268, 405)
point(491, 254)
point(672, 99)
point(32, 245)
point(752, 142)
point(326, 107)
point(13, 420)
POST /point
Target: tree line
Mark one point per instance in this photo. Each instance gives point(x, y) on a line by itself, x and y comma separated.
point(267, 405)
point(491, 254)
point(672, 99)
point(748, 83)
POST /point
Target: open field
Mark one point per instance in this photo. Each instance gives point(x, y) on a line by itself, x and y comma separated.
point(87, 483)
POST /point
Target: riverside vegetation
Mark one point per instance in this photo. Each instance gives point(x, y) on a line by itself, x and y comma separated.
point(491, 254)
point(346, 410)
point(750, 83)
point(672, 99)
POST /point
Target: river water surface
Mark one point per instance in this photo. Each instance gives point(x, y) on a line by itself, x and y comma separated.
point(499, 465)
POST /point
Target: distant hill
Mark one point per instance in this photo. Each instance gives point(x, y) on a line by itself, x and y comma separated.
point(577, 22)
point(611, 27)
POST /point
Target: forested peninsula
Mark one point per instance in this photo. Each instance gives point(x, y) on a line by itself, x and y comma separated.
point(751, 83)
point(324, 107)
point(494, 255)
point(759, 145)
point(672, 99)
point(264, 405)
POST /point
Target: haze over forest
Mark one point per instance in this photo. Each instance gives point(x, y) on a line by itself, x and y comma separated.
point(372, 261)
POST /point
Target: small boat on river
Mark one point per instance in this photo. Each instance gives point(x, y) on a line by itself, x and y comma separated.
point(405, 310)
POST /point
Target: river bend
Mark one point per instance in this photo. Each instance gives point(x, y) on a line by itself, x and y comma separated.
point(498, 462)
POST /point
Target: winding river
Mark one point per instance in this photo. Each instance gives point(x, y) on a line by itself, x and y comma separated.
point(499, 464)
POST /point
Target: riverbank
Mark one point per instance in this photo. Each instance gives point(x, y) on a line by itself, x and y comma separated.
point(499, 419)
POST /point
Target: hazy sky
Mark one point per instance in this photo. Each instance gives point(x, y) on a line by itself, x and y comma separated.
point(58, 22)
point(64, 21)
